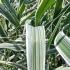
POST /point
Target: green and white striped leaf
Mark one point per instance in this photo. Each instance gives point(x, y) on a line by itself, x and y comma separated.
point(8, 15)
point(62, 44)
point(7, 5)
point(35, 47)
point(14, 47)
point(63, 68)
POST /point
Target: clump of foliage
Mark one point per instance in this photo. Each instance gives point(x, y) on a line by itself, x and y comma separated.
point(53, 14)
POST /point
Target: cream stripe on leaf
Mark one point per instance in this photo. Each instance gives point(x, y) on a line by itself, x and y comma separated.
point(62, 44)
point(35, 47)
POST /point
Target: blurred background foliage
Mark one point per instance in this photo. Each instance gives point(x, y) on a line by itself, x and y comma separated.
point(13, 15)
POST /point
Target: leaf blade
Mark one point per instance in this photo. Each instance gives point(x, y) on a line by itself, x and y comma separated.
point(42, 8)
point(35, 47)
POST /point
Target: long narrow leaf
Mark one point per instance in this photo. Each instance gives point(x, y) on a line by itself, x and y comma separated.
point(58, 8)
point(14, 47)
point(8, 15)
point(35, 47)
point(11, 9)
point(8, 6)
point(21, 9)
point(42, 8)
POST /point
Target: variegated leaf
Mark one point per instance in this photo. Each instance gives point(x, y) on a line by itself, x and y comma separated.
point(62, 44)
point(35, 47)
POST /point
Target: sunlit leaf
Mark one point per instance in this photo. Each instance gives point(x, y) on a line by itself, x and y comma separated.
point(35, 47)
point(14, 47)
point(42, 8)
